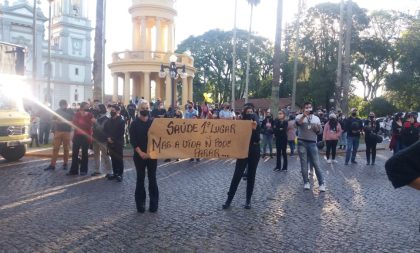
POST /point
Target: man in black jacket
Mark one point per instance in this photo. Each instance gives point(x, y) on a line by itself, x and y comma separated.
point(354, 127)
point(114, 130)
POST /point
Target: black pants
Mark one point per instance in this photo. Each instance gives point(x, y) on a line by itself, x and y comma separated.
point(251, 162)
point(44, 133)
point(281, 147)
point(79, 141)
point(371, 148)
point(116, 153)
point(140, 194)
point(331, 148)
point(34, 137)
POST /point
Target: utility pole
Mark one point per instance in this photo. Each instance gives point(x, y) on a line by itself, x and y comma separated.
point(233, 59)
point(295, 63)
point(275, 85)
point(49, 100)
point(339, 81)
point(98, 56)
point(34, 56)
point(248, 56)
point(347, 77)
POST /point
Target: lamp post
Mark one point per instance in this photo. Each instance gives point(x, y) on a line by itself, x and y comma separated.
point(173, 73)
point(49, 53)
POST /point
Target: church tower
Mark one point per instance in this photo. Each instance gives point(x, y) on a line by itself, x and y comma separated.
point(71, 51)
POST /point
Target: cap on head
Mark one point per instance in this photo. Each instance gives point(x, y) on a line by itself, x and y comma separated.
point(333, 116)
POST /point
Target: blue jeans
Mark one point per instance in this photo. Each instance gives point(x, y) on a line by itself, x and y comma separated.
point(309, 151)
point(267, 139)
point(352, 143)
point(292, 147)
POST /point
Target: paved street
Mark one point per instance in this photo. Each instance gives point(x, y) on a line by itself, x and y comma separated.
point(361, 212)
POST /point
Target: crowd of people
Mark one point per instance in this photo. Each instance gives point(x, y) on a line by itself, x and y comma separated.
point(106, 129)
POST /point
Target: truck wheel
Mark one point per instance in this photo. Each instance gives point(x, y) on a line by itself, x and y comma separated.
point(12, 154)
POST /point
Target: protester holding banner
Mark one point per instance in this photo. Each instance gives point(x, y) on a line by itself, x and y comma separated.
point(251, 162)
point(138, 137)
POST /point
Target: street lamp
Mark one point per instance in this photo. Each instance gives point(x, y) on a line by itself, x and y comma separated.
point(173, 74)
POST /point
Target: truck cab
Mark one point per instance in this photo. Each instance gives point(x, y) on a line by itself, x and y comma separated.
point(14, 121)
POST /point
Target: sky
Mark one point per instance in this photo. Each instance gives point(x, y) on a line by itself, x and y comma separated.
point(195, 17)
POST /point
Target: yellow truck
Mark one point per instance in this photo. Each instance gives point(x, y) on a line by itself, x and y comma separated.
point(14, 121)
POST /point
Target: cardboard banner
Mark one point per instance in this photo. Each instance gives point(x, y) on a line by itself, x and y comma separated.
point(199, 138)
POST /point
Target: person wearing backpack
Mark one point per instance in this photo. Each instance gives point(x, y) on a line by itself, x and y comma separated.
point(100, 147)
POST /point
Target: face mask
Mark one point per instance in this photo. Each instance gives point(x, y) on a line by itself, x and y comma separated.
point(247, 116)
point(113, 114)
point(354, 114)
point(371, 117)
point(308, 109)
point(144, 113)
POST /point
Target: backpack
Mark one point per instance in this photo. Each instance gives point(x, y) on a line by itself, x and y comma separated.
point(100, 123)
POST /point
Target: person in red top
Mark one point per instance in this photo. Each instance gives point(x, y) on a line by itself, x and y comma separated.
point(83, 122)
point(410, 131)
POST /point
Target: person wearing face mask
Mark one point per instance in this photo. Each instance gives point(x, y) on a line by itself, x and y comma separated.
point(83, 122)
point(267, 132)
point(371, 128)
point(332, 133)
point(280, 127)
point(251, 162)
point(159, 112)
point(354, 127)
point(410, 131)
point(226, 113)
point(309, 126)
point(138, 137)
point(190, 112)
point(114, 130)
point(100, 147)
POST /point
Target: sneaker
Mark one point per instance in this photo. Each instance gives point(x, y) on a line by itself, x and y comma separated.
point(49, 168)
point(346, 163)
point(167, 160)
point(329, 161)
point(307, 186)
point(334, 161)
point(118, 178)
point(110, 176)
point(322, 188)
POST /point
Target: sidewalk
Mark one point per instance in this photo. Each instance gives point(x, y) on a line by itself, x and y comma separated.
point(46, 151)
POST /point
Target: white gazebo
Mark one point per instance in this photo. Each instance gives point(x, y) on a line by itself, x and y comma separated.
point(153, 44)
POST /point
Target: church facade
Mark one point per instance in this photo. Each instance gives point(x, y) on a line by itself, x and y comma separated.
point(71, 62)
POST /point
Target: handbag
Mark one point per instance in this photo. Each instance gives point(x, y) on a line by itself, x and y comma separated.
point(378, 138)
point(320, 144)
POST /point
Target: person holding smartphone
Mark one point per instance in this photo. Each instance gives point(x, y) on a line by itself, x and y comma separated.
point(309, 126)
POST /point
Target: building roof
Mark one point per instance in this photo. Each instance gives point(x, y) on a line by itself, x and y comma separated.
point(262, 103)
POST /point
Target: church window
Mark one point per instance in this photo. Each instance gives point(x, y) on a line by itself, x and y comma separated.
point(76, 71)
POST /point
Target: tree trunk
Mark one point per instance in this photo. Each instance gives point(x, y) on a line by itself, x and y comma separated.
point(295, 60)
point(98, 60)
point(339, 81)
point(275, 85)
point(347, 77)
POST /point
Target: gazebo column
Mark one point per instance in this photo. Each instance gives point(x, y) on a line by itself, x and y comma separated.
point(158, 89)
point(171, 37)
point(158, 35)
point(146, 86)
point(115, 88)
point(190, 88)
point(126, 93)
point(168, 99)
point(185, 90)
point(136, 35)
point(135, 86)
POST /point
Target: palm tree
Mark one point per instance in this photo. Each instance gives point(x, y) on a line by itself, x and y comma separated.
point(275, 85)
point(252, 3)
point(98, 59)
